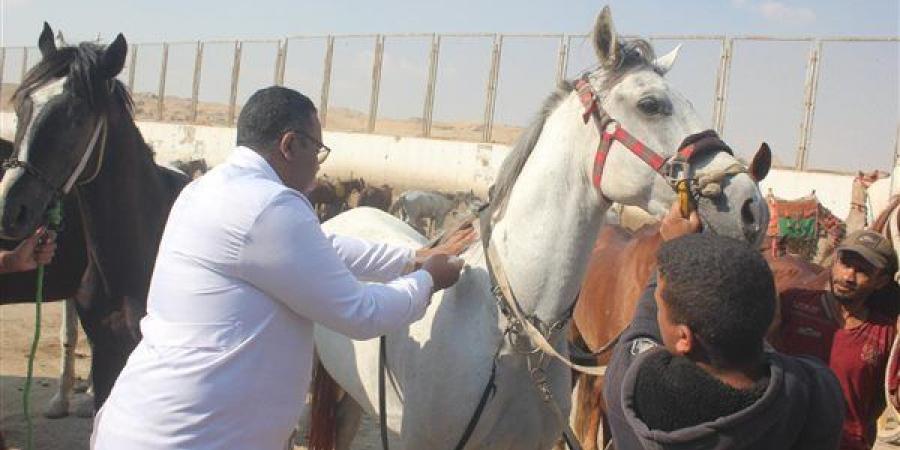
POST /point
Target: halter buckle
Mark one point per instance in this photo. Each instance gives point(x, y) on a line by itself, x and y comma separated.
point(676, 170)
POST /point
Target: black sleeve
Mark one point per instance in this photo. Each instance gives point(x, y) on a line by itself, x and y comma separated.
point(642, 334)
point(644, 324)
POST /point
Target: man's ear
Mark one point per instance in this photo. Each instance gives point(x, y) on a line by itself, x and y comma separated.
point(685, 341)
point(286, 145)
point(882, 279)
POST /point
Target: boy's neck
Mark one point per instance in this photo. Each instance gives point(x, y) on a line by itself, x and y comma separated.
point(740, 377)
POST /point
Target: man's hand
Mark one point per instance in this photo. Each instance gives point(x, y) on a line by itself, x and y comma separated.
point(675, 225)
point(37, 249)
point(454, 245)
point(444, 270)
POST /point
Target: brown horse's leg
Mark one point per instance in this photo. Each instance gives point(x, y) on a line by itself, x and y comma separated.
point(348, 417)
point(601, 412)
point(588, 399)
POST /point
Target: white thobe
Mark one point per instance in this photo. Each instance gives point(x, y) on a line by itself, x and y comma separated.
point(243, 272)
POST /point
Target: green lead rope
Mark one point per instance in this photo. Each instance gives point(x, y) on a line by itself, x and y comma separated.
point(54, 219)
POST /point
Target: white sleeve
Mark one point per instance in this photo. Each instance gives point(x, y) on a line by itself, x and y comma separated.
point(373, 261)
point(287, 256)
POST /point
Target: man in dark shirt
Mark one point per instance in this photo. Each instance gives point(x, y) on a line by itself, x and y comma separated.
point(850, 325)
point(691, 371)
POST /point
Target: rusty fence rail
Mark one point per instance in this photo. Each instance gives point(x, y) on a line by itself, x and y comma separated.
point(281, 49)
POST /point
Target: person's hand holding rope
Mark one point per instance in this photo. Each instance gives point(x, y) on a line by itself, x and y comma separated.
point(37, 249)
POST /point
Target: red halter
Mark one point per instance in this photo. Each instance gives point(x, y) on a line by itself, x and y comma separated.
point(602, 119)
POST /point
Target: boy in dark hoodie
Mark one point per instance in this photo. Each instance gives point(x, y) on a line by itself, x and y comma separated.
point(691, 371)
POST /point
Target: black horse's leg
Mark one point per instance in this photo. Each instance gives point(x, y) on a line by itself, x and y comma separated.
point(111, 328)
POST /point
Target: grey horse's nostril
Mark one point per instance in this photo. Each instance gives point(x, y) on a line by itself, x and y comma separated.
point(747, 213)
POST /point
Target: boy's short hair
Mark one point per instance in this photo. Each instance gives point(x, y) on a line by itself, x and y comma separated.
point(723, 290)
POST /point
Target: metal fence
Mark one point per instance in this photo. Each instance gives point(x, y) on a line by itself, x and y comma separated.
point(251, 58)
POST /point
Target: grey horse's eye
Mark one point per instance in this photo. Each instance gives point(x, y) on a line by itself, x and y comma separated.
point(653, 106)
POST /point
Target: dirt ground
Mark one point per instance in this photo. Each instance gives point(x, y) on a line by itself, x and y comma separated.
point(72, 433)
point(69, 433)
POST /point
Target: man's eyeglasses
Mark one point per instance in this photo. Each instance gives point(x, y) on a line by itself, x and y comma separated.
point(323, 151)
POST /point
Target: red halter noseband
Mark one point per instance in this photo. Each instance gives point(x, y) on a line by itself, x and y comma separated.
point(602, 120)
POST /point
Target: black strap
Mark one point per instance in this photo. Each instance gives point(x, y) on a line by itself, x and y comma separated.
point(382, 400)
point(489, 389)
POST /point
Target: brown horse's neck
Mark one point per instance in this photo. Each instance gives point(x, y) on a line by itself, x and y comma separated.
point(124, 210)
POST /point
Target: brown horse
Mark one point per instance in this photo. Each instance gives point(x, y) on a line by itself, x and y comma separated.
point(607, 301)
point(609, 296)
point(376, 197)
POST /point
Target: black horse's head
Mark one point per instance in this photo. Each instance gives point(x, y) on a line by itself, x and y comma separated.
point(62, 106)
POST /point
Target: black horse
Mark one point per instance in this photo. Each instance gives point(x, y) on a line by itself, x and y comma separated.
point(81, 144)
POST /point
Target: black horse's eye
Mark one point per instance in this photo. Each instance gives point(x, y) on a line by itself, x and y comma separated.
point(652, 106)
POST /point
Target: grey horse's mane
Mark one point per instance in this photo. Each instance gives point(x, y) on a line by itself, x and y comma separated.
point(635, 54)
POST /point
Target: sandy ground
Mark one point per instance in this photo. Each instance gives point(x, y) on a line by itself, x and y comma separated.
point(72, 433)
point(69, 433)
point(179, 110)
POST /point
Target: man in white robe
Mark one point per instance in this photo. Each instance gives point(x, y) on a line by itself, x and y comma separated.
point(243, 272)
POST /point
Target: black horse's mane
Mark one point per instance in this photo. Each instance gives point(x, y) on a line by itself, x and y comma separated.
point(86, 80)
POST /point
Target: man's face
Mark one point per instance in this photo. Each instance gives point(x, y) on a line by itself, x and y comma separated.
point(305, 164)
point(853, 278)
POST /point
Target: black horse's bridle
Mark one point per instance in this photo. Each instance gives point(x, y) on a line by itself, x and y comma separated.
point(97, 145)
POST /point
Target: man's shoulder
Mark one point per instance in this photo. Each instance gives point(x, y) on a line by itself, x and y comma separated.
point(235, 196)
point(807, 372)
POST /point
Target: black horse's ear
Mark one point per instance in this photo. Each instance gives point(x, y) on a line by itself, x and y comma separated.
point(114, 57)
point(762, 162)
point(46, 42)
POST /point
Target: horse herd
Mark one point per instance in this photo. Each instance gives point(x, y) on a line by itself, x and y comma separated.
point(590, 146)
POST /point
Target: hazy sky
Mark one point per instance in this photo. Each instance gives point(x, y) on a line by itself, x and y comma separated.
point(856, 115)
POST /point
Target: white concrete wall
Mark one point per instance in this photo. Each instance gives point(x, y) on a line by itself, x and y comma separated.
point(402, 162)
point(406, 163)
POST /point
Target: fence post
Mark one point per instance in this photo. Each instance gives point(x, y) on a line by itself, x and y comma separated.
point(195, 90)
point(491, 94)
point(562, 60)
point(377, 62)
point(162, 82)
point(809, 105)
point(281, 62)
point(894, 181)
point(24, 63)
point(2, 66)
point(326, 80)
point(431, 84)
point(132, 66)
point(723, 77)
point(235, 76)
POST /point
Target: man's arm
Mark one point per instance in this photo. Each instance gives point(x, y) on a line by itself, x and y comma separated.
point(376, 261)
point(288, 256)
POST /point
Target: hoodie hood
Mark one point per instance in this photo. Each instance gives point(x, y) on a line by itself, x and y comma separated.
point(759, 424)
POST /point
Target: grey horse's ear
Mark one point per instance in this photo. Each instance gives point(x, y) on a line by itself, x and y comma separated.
point(664, 63)
point(606, 42)
point(762, 162)
point(45, 41)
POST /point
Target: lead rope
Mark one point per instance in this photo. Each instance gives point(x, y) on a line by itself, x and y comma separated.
point(54, 216)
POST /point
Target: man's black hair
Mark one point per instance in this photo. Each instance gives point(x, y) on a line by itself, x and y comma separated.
point(723, 290)
point(269, 113)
